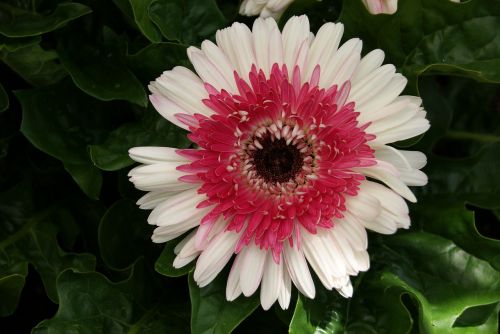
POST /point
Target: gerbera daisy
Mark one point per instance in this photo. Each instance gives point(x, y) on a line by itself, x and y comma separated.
point(291, 161)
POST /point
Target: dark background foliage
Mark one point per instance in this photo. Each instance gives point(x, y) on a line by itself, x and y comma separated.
point(75, 254)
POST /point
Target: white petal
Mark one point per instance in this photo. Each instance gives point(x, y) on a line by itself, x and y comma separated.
point(167, 108)
point(400, 104)
point(221, 61)
point(186, 252)
point(175, 208)
point(388, 174)
point(318, 251)
point(343, 64)
point(363, 205)
point(323, 48)
point(261, 33)
point(285, 293)
point(346, 291)
point(385, 96)
point(414, 127)
point(356, 257)
point(353, 230)
point(368, 64)
point(233, 288)
point(153, 198)
point(185, 89)
point(236, 42)
point(161, 176)
point(298, 270)
point(252, 268)
point(208, 71)
point(167, 233)
point(154, 154)
point(214, 257)
point(275, 48)
point(368, 87)
point(416, 159)
point(408, 174)
point(295, 34)
point(272, 282)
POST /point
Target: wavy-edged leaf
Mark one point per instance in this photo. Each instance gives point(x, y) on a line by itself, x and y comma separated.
point(212, 313)
point(427, 36)
point(101, 72)
point(61, 121)
point(34, 64)
point(17, 22)
point(186, 21)
point(31, 238)
point(123, 225)
point(90, 303)
point(474, 179)
point(140, 10)
point(151, 61)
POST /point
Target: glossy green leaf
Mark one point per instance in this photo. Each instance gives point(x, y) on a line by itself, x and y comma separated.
point(186, 21)
point(211, 312)
point(17, 22)
point(90, 303)
point(4, 99)
point(123, 225)
point(11, 287)
point(443, 280)
point(463, 231)
point(150, 130)
point(150, 62)
point(31, 238)
point(472, 180)
point(164, 263)
point(34, 64)
point(427, 36)
point(140, 10)
point(101, 73)
point(60, 121)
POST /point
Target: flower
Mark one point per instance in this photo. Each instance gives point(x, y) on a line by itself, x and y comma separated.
point(381, 6)
point(291, 161)
point(264, 8)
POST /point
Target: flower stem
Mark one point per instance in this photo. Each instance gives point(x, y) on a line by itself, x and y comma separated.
point(480, 137)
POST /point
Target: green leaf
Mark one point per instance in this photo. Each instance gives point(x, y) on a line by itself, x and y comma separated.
point(4, 99)
point(150, 130)
point(11, 287)
point(34, 64)
point(445, 286)
point(140, 10)
point(457, 180)
point(462, 229)
point(154, 59)
point(186, 21)
point(101, 72)
point(28, 238)
point(444, 281)
point(427, 36)
point(164, 264)
point(124, 224)
point(90, 303)
point(212, 313)
point(16, 22)
point(61, 122)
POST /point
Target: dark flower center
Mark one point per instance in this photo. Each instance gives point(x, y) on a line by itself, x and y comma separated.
point(277, 161)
